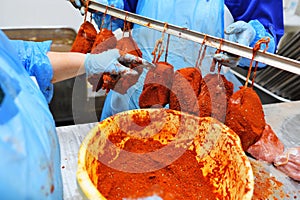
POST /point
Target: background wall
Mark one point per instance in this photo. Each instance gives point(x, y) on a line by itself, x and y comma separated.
point(39, 13)
point(60, 13)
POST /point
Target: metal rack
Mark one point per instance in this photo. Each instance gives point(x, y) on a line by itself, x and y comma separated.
point(274, 60)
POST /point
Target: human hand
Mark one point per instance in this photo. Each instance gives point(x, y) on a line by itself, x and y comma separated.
point(106, 61)
point(227, 59)
point(133, 61)
point(247, 34)
point(239, 32)
point(289, 163)
point(79, 4)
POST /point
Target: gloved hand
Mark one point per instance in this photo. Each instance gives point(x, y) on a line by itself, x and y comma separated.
point(239, 32)
point(246, 34)
point(106, 62)
point(78, 4)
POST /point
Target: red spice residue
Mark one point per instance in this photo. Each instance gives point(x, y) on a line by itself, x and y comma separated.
point(52, 188)
point(141, 121)
point(267, 186)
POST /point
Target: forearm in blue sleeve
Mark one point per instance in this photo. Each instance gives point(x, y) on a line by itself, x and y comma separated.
point(33, 56)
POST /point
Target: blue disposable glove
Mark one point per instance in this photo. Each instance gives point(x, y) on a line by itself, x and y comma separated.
point(246, 34)
point(106, 62)
point(239, 32)
point(261, 32)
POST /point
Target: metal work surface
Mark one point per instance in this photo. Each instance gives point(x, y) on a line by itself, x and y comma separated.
point(284, 119)
point(181, 32)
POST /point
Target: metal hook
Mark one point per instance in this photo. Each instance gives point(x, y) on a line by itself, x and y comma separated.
point(255, 49)
point(103, 17)
point(86, 9)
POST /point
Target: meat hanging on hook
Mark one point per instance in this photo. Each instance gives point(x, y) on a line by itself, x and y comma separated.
point(159, 80)
point(159, 47)
point(105, 39)
point(256, 48)
point(201, 53)
point(127, 44)
point(214, 61)
point(85, 36)
point(245, 113)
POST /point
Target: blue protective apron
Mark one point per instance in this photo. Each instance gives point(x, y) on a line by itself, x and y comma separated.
point(29, 148)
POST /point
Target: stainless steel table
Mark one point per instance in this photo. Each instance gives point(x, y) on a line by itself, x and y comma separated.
point(284, 119)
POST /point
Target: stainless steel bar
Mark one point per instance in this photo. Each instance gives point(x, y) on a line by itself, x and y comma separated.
point(228, 46)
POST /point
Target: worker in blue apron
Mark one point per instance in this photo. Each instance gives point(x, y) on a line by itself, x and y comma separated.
point(245, 22)
point(29, 147)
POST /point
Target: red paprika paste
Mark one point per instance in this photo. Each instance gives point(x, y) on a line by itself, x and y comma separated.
point(181, 180)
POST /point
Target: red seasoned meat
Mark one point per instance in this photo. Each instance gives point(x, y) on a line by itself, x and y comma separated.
point(105, 40)
point(157, 85)
point(185, 89)
point(245, 116)
point(85, 38)
point(215, 93)
point(128, 45)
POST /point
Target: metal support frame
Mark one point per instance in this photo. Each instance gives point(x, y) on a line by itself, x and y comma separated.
point(274, 60)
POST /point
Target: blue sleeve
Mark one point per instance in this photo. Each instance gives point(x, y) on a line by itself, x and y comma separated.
point(130, 5)
point(268, 12)
point(33, 56)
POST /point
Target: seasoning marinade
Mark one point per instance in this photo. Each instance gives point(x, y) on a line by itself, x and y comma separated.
point(181, 179)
